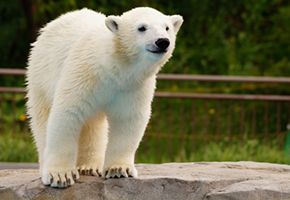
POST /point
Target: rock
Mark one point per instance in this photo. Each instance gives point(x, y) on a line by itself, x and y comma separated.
point(7, 165)
point(202, 180)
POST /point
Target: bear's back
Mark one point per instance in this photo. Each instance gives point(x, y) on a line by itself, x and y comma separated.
point(69, 27)
point(54, 43)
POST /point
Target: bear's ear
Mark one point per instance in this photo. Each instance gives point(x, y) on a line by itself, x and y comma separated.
point(177, 21)
point(113, 23)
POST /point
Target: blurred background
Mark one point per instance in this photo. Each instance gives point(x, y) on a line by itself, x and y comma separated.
point(218, 38)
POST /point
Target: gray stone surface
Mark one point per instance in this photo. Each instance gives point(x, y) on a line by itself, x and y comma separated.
point(8, 165)
point(204, 180)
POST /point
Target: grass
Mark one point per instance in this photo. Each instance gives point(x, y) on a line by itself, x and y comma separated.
point(224, 150)
point(17, 149)
point(22, 149)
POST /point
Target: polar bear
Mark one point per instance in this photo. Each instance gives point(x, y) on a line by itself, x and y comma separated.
point(90, 83)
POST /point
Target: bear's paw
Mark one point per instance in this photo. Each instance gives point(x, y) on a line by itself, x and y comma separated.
point(90, 170)
point(120, 171)
point(60, 178)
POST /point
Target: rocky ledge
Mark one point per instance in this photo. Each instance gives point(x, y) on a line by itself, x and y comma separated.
point(202, 180)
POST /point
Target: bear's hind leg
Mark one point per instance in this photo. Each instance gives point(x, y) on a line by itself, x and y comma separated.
point(92, 146)
point(38, 111)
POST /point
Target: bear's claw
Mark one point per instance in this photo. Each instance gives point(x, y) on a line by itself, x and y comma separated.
point(93, 171)
point(120, 172)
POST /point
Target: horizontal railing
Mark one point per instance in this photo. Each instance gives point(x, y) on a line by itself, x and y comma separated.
point(219, 78)
point(179, 77)
point(174, 77)
point(223, 96)
point(14, 72)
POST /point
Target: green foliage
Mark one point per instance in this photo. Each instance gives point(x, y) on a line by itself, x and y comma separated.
point(14, 41)
point(244, 37)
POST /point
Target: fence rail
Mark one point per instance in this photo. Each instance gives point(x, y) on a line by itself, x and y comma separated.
point(218, 78)
point(14, 72)
point(176, 77)
point(223, 96)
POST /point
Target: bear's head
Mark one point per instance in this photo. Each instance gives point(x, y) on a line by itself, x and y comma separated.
point(145, 33)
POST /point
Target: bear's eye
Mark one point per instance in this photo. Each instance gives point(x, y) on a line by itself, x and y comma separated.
point(167, 28)
point(142, 29)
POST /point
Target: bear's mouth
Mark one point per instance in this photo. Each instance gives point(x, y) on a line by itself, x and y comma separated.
point(157, 51)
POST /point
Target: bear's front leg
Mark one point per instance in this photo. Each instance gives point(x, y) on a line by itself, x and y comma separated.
point(126, 128)
point(60, 154)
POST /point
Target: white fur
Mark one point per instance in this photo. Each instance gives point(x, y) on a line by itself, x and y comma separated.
point(90, 82)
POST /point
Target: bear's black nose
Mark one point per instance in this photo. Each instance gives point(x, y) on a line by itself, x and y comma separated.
point(162, 43)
